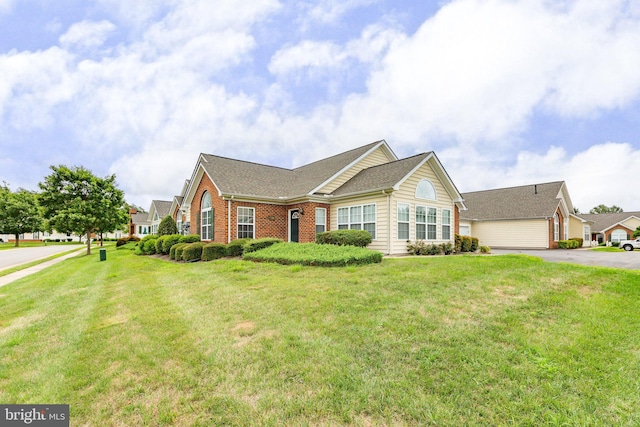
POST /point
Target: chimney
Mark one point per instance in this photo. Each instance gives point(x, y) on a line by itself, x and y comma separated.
point(132, 211)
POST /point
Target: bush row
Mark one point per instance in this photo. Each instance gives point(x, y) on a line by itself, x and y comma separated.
point(420, 247)
point(124, 240)
point(315, 254)
point(359, 238)
point(465, 243)
point(568, 244)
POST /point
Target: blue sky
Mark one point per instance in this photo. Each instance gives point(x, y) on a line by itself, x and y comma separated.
point(506, 92)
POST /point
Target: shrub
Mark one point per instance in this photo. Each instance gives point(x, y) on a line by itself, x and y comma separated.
point(457, 243)
point(256, 245)
point(159, 244)
point(190, 238)
point(235, 247)
point(124, 240)
point(169, 241)
point(315, 255)
point(416, 248)
point(360, 238)
point(148, 244)
point(615, 244)
point(636, 232)
point(167, 226)
point(567, 244)
point(193, 251)
point(485, 249)
point(580, 241)
point(173, 252)
point(467, 242)
point(213, 251)
point(446, 248)
point(474, 244)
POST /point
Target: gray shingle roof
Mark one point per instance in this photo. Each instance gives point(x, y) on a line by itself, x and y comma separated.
point(140, 218)
point(380, 177)
point(527, 201)
point(605, 221)
point(163, 207)
point(252, 179)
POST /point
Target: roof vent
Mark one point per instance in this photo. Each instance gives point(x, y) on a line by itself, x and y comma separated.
point(535, 189)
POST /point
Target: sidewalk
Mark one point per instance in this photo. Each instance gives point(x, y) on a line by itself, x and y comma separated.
point(5, 280)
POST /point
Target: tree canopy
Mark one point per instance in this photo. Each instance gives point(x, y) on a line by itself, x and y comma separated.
point(19, 212)
point(605, 209)
point(636, 232)
point(74, 200)
point(167, 226)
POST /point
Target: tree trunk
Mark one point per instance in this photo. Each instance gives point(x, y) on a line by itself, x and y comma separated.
point(88, 242)
point(17, 239)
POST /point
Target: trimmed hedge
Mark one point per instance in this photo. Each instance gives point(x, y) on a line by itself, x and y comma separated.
point(314, 254)
point(176, 251)
point(213, 251)
point(160, 244)
point(485, 250)
point(580, 241)
point(124, 240)
point(190, 238)
point(169, 241)
point(360, 238)
point(147, 245)
point(236, 247)
point(568, 244)
point(465, 243)
point(193, 251)
point(256, 245)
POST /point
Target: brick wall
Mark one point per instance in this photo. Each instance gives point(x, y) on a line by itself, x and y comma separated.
point(552, 243)
point(219, 210)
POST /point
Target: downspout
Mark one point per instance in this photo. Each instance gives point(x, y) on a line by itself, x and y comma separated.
point(229, 220)
point(388, 221)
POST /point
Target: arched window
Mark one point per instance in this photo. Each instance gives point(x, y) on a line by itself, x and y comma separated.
point(425, 190)
point(618, 235)
point(556, 227)
point(206, 215)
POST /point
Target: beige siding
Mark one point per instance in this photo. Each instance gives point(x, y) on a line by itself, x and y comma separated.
point(377, 157)
point(576, 228)
point(407, 194)
point(380, 242)
point(513, 234)
point(631, 223)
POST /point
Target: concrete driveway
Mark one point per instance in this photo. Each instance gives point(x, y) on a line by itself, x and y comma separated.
point(622, 259)
point(14, 257)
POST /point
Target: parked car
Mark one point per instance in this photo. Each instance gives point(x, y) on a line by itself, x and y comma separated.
point(629, 245)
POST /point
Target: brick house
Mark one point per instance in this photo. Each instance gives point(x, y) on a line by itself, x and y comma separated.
point(532, 216)
point(613, 227)
point(369, 188)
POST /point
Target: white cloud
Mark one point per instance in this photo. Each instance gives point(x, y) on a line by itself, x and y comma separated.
point(87, 34)
point(330, 11)
point(6, 6)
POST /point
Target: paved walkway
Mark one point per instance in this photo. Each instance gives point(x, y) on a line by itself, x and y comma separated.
point(5, 280)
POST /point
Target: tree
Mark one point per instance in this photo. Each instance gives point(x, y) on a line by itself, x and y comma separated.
point(576, 211)
point(605, 209)
point(76, 201)
point(19, 212)
point(636, 233)
point(167, 226)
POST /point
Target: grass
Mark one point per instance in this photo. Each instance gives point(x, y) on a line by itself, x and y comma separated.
point(7, 271)
point(607, 249)
point(446, 341)
point(314, 254)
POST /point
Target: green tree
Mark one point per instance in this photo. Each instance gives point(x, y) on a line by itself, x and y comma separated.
point(19, 212)
point(636, 233)
point(74, 200)
point(167, 226)
point(605, 209)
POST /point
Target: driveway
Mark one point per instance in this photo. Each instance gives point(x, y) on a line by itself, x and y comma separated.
point(622, 259)
point(13, 257)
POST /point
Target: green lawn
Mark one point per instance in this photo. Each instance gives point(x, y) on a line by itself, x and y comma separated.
point(443, 341)
point(607, 249)
point(12, 245)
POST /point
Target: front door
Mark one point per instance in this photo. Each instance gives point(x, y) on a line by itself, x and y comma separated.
point(293, 225)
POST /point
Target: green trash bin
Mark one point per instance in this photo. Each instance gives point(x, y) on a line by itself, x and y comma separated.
point(103, 254)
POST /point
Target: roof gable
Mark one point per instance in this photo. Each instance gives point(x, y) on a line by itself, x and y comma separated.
point(605, 221)
point(161, 207)
point(523, 202)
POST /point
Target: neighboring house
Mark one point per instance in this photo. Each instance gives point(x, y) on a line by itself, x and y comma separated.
point(176, 212)
point(139, 224)
point(613, 227)
point(530, 216)
point(158, 210)
point(368, 188)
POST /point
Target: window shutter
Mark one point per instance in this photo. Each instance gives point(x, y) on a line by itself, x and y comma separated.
point(198, 228)
point(213, 226)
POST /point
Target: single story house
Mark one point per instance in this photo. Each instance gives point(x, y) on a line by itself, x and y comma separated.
point(139, 224)
point(613, 227)
point(532, 216)
point(158, 210)
point(367, 188)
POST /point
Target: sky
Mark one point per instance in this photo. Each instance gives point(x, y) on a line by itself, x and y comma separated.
point(506, 92)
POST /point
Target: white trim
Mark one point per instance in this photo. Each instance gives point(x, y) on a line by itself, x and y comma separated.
point(289, 223)
point(381, 143)
point(316, 219)
point(238, 223)
point(408, 221)
point(362, 221)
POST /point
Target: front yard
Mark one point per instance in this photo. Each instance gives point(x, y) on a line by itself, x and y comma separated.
point(447, 341)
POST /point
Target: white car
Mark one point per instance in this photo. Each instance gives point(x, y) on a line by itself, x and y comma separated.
point(629, 245)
